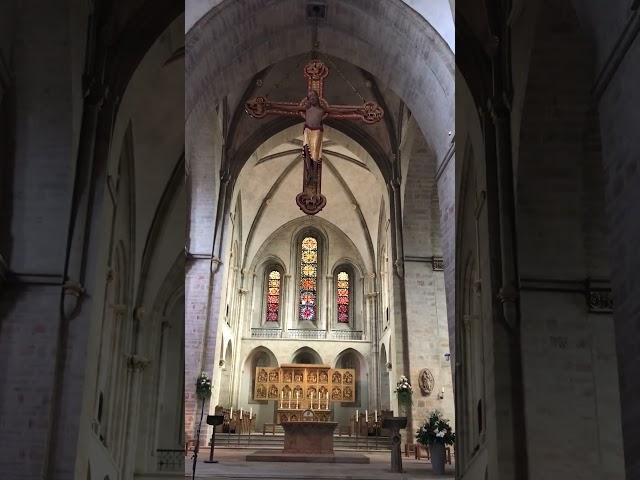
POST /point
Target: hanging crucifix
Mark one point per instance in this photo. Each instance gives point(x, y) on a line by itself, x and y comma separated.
point(314, 109)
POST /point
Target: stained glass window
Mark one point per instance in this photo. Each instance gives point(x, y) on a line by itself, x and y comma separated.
point(273, 296)
point(308, 279)
point(343, 297)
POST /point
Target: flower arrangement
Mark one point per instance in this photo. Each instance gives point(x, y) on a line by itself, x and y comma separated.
point(436, 429)
point(203, 386)
point(404, 390)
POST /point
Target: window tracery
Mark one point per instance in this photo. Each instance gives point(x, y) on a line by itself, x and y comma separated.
point(343, 295)
point(273, 296)
point(308, 279)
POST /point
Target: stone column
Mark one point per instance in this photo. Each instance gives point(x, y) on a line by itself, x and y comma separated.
point(330, 316)
point(286, 304)
point(235, 384)
point(135, 364)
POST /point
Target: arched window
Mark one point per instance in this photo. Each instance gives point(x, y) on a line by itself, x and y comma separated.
point(343, 295)
point(307, 308)
point(274, 283)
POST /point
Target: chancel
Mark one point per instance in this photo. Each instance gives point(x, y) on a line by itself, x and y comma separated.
point(313, 304)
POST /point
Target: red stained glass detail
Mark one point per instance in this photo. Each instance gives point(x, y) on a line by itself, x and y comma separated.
point(307, 299)
point(308, 278)
point(273, 296)
point(343, 299)
point(307, 313)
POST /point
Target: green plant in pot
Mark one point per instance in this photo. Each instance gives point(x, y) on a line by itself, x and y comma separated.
point(203, 392)
point(404, 390)
point(435, 434)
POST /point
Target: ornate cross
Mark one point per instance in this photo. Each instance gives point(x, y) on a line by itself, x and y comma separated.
point(314, 109)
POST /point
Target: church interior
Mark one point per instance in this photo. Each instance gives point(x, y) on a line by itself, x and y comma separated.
point(456, 208)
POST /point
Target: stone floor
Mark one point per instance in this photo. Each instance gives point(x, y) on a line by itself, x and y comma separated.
point(232, 465)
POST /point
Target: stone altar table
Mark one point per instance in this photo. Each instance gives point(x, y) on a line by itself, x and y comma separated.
point(310, 442)
point(308, 437)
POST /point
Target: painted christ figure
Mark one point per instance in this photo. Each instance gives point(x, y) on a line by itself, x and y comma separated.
point(314, 109)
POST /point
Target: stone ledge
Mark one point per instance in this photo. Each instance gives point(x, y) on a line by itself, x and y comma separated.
point(279, 456)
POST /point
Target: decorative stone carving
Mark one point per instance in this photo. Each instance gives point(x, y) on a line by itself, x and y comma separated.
point(600, 301)
point(426, 382)
point(437, 263)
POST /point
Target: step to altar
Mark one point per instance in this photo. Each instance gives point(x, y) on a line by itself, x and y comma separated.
point(276, 442)
point(280, 456)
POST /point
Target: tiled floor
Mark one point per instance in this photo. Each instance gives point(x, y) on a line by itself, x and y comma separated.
point(232, 465)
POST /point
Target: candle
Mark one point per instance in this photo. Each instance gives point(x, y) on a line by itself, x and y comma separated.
point(366, 416)
point(357, 415)
point(250, 413)
point(231, 414)
point(376, 415)
point(240, 413)
point(311, 400)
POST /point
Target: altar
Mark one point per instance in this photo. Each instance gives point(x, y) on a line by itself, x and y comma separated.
point(309, 437)
point(304, 393)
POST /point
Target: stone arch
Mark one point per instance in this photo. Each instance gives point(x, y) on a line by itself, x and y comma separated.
point(419, 69)
point(260, 356)
point(354, 279)
point(351, 358)
point(306, 355)
point(393, 63)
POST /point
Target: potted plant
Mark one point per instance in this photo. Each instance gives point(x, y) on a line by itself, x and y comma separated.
point(203, 391)
point(435, 434)
point(404, 390)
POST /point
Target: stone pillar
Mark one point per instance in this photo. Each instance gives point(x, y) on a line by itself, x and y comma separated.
point(135, 364)
point(287, 320)
point(330, 316)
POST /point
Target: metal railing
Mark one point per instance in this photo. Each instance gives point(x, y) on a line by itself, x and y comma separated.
point(306, 334)
point(170, 460)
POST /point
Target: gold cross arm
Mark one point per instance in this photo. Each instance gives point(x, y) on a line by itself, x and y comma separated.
point(260, 107)
point(368, 112)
